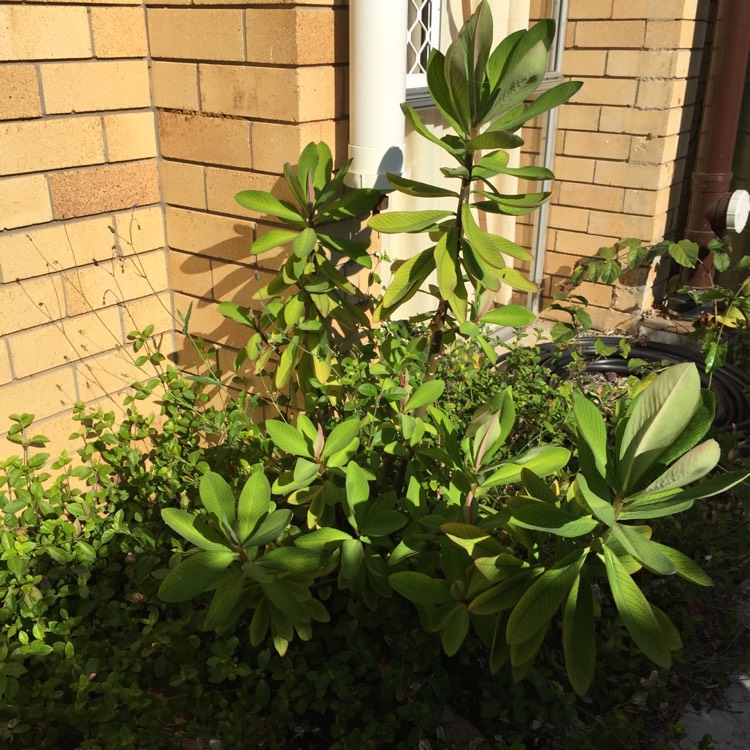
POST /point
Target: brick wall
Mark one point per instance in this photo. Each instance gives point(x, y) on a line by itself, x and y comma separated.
point(82, 260)
point(239, 91)
point(624, 142)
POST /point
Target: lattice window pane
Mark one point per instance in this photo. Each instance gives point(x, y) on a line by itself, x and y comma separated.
point(422, 36)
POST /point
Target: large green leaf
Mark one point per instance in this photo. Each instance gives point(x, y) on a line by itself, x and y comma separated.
point(603, 510)
point(694, 465)
point(414, 120)
point(293, 559)
point(592, 430)
point(481, 242)
point(636, 612)
point(287, 438)
point(326, 538)
point(694, 430)
point(543, 598)
point(341, 437)
point(539, 516)
point(685, 567)
point(191, 528)
point(579, 642)
point(498, 567)
point(438, 86)
point(357, 251)
point(254, 503)
point(271, 239)
point(217, 497)
point(395, 222)
point(446, 264)
point(455, 629)
point(349, 206)
point(513, 316)
point(420, 588)
point(505, 594)
point(227, 596)
point(194, 574)
point(493, 139)
point(425, 394)
point(544, 102)
point(542, 460)
point(265, 203)
point(419, 189)
point(408, 277)
point(270, 529)
point(475, 540)
point(659, 414)
point(516, 280)
point(357, 486)
point(642, 549)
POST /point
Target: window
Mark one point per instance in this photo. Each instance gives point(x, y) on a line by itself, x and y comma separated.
point(422, 35)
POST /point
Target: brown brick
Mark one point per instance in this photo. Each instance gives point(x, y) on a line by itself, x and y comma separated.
point(592, 196)
point(139, 230)
point(119, 32)
point(223, 184)
point(299, 36)
point(24, 201)
point(38, 33)
point(585, 9)
point(30, 303)
point(650, 177)
point(584, 62)
point(208, 234)
point(183, 184)
point(574, 170)
point(196, 34)
point(674, 35)
point(607, 91)
point(190, 274)
point(84, 192)
point(46, 347)
point(599, 145)
point(112, 282)
point(130, 135)
point(215, 140)
point(96, 85)
point(608, 34)
point(175, 85)
point(56, 247)
point(44, 395)
point(5, 372)
point(19, 92)
point(36, 145)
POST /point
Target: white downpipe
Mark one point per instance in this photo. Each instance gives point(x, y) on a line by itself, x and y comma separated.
point(377, 86)
point(549, 132)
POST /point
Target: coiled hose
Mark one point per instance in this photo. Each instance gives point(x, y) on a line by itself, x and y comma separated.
point(729, 384)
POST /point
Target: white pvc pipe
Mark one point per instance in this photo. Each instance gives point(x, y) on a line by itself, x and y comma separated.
point(377, 86)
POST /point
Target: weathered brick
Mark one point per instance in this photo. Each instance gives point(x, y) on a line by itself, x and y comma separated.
point(674, 35)
point(30, 303)
point(564, 217)
point(190, 274)
point(274, 144)
point(649, 150)
point(44, 395)
point(46, 347)
point(139, 230)
point(130, 135)
point(24, 201)
point(586, 9)
point(19, 92)
point(29, 32)
point(621, 225)
point(651, 177)
point(84, 192)
point(591, 196)
point(599, 145)
point(36, 145)
point(55, 247)
point(183, 184)
point(287, 94)
point(608, 34)
point(650, 202)
point(119, 32)
point(175, 85)
point(109, 283)
point(208, 234)
point(656, 122)
point(95, 85)
point(607, 91)
point(215, 140)
point(584, 62)
point(657, 9)
point(666, 94)
point(223, 184)
point(299, 36)
point(574, 170)
point(196, 34)
point(651, 63)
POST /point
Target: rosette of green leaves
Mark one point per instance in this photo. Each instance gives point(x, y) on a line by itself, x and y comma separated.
point(482, 94)
point(243, 552)
point(310, 293)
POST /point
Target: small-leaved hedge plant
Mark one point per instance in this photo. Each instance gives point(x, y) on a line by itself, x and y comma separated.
point(395, 497)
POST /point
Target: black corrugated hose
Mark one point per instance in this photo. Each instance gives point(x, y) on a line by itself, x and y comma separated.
point(729, 384)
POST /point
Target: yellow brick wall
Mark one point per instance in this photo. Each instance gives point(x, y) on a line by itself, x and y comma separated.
point(624, 143)
point(82, 239)
point(240, 89)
